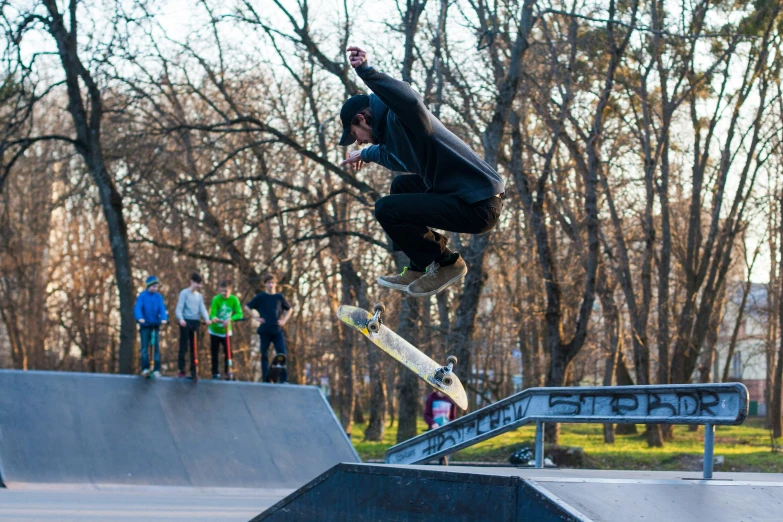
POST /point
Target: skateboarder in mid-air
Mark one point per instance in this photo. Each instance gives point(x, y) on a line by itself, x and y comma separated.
point(449, 186)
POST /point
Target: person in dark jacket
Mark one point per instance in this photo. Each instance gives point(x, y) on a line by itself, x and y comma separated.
point(448, 186)
point(272, 311)
point(150, 313)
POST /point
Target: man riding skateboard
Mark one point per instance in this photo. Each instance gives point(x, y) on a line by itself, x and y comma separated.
point(449, 186)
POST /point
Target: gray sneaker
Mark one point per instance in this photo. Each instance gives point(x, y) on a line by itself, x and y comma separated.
point(400, 281)
point(437, 278)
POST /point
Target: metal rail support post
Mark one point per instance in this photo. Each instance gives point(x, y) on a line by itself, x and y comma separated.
point(709, 449)
point(539, 444)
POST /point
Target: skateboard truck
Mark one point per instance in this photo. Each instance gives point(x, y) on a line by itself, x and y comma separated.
point(443, 374)
point(374, 323)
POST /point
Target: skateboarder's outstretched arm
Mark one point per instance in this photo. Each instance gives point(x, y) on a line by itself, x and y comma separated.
point(380, 155)
point(403, 101)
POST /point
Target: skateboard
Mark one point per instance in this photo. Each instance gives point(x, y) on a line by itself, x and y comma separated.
point(439, 377)
point(277, 367)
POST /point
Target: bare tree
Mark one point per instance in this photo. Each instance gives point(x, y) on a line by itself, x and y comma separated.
point(507, 75)
point(87, 117)
point(534, 195)
point(707, 259)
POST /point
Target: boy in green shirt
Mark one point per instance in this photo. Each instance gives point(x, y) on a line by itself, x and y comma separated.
point(224, 309)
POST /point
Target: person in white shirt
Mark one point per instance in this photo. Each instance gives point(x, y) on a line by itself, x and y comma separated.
point(190, 310)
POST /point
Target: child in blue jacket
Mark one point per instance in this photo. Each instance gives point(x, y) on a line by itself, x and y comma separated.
point(150, 313)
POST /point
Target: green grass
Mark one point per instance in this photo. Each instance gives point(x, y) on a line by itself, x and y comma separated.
point(745, 448)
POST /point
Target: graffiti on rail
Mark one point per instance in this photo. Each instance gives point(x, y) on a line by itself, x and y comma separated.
point(593, 405)
point(486, 422)
point(702, 403)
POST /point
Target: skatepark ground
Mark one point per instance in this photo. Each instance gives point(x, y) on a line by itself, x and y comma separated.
point(133, 503)
point(587, 495)
point(86, 447)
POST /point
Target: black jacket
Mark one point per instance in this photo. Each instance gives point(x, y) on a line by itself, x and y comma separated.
point(412, 139)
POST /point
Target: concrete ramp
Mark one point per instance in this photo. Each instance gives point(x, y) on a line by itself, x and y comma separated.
point(359, 492)
point(76, 428)
point(362, 492)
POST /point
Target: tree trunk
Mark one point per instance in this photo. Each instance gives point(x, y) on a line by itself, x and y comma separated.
point(623, 378)
point(377, 424)
point(558, 369)
point(613, 341)
point(408, 383)
point(772, 330)
point(87, 125)
point(377, 405)
point(391, 379)
point(347, 363)
point(707, 361)
point(358, 410)
point(777, 389)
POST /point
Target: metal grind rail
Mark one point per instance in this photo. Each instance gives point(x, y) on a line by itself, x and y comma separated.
point(708, 404)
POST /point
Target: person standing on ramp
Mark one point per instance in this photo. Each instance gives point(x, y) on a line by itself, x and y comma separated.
point(449, 186)
point(150, 313)
point(190, 309)
point(272, 311)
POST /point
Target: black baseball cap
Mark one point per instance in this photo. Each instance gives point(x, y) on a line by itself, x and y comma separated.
point(351, 108)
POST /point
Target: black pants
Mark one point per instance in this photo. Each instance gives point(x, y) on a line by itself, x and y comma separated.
point(214, 346)
point(187, 334)
point(408, 213)
point(278, 339)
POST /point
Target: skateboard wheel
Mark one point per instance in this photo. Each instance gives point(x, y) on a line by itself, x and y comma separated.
point(373, 326)
point(451, 359)
point(380, 308)
point(447, 381)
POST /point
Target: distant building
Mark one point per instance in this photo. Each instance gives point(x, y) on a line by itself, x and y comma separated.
point(748, 364)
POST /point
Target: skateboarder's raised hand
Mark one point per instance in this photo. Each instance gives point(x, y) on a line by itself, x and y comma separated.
point(357, 56)
point(354, 158)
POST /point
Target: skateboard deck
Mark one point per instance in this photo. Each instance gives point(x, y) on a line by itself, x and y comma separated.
point(276, 368)
point(405, 353)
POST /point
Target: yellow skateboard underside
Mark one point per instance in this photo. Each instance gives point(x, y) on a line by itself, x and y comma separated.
point(404, 352)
